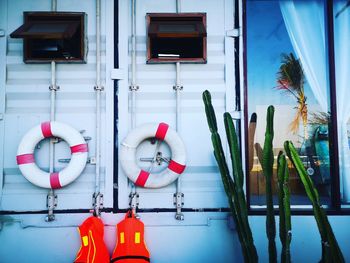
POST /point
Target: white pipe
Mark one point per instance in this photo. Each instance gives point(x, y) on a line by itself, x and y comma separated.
point(54, 5)
point(133, 106)
point(52, 113)
point(98, 97)
point(178, 85)
point(51, 194)
point(133, 85)
point(133, 64)
point(178, 6)
point(133, 42)
point(178, 215)
point(98, 43)
point(177, 90)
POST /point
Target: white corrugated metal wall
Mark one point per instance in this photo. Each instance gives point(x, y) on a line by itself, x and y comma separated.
point(28, 101)
point(28, 104)
point(202, 236)
point(155, 99)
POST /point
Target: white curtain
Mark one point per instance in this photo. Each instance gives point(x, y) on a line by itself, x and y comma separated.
point(342, 68)
point(305, 24)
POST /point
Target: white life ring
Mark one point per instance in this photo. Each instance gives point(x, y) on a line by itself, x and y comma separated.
point(28, 167)
point(143, 178)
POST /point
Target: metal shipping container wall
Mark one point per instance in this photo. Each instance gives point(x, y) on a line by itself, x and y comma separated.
point(156, 99)
point(27, 98)
point(204, 235)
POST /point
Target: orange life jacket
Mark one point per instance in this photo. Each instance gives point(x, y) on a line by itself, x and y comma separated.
point(93, 248)
point(130, 247)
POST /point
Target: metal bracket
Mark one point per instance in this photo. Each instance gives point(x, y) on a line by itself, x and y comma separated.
point(133, 201)
point(159, 159)
point(97, 203)
point(90, 160)
point(99, 88)
point(2, 33)
point(87, 138)
point(178, 87)
point(133, 88)
point(118, 74)
point(233, 33)
point(54, 87)
point(51, 203)
point(56, 139)
point(179, 203)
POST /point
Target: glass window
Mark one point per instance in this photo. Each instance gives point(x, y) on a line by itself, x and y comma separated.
point(341, 12)
point(287, 66)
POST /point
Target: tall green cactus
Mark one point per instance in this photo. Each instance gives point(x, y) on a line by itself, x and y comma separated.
point(233, 187)
point(330, 248)
point(284, 207)
point(267, 166)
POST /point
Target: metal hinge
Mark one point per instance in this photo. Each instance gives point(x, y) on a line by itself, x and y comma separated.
point(133, 88)
point(51, 203)
point(236, 32)
point(178, 87)
point(134, 200)
point(97, 203)
point(179, 203)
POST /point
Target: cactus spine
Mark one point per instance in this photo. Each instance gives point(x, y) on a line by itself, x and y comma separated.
point(267, 166)
point(233, 188)
point(330, 248)
point(284, 207)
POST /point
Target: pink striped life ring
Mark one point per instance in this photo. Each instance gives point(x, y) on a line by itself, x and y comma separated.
point(142, 178)
point(26, 161)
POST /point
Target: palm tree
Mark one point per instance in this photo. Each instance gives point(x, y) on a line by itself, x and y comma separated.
point(290, 78)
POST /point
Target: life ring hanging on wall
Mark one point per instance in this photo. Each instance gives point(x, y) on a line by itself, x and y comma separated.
point(142, 178)
point(28, 167)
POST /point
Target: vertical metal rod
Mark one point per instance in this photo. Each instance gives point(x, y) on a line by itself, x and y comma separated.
point(98, 96)
point(133, 64)
point(178, 6)
point(133, 89)
point(52, 113)
point(178, 195)
point(53, 88)
point(97, 197)
point(177, 89)
point(54, 5)
point(133, 42)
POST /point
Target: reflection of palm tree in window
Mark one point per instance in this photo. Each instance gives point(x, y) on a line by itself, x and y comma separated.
point(343, 9)
point(290, 78)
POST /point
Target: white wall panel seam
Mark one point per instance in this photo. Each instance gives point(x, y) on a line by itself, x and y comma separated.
point(3, 48)
point(108, 13)
point(124, 27)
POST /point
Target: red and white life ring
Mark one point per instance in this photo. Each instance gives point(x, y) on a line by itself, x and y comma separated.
point(28, 167)
point(143, 178)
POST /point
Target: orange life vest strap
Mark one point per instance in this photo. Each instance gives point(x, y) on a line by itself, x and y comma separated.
point(130, 257)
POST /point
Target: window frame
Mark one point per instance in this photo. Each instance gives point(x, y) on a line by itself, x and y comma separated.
point(173, 18)
point(75, 21)
point(335, 208)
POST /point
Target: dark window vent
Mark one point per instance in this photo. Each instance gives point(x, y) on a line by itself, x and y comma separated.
point(176, 37)
point(52, 36)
